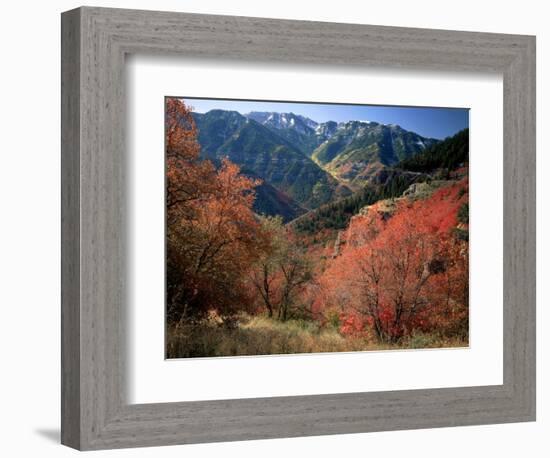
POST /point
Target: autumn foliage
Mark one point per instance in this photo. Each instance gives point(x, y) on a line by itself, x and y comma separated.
point(398, 269)
point(405, 272)
point(213, 237)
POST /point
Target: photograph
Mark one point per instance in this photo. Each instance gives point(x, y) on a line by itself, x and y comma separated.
point(312, 228)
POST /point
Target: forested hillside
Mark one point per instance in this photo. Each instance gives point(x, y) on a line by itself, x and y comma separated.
point(358, 150)
point(262, 153)
point(429, 166)
point(336, 215)
point(450, 154)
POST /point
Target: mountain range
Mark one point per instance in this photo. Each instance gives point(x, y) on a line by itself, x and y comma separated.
point(304, 164)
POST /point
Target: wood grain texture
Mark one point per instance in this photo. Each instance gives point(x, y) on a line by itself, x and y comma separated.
point(70, 229)
point(96, 414)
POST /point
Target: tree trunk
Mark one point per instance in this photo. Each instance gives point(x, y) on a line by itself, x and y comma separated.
point(266, 290)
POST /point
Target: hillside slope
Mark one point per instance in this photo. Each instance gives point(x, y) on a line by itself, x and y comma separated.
point(358, 150)
point(262, 153)
point(415, 175)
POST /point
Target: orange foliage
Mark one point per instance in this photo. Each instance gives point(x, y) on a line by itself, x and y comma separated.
point(213, 236)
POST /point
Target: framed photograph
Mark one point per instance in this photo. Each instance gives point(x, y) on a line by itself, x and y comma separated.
point(352, 235)
point(278, 228)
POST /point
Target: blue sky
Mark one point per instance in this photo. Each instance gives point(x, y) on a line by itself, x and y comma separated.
point(426, 121)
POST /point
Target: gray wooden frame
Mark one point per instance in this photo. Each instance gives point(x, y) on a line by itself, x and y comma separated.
point(95, 413)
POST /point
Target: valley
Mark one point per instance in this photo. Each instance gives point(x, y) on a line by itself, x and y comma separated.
point(310, 164)
point(287, 235)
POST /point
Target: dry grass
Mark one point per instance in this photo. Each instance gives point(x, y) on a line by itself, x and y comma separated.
point(264, 336)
